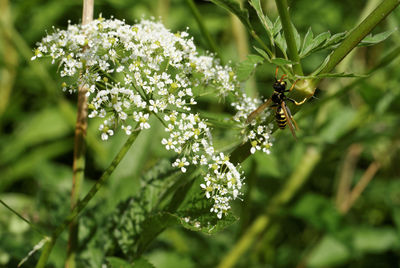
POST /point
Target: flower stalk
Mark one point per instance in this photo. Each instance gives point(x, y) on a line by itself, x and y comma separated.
point(78, 169)
point(81, 205)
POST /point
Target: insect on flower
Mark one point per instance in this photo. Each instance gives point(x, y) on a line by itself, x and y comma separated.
point(278, 100)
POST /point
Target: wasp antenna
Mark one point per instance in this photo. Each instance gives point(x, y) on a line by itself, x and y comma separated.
point(283, 77)
point(276, 72)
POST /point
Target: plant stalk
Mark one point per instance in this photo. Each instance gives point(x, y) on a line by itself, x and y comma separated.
point(78, 169)
point(84, 202)
point(287, 27)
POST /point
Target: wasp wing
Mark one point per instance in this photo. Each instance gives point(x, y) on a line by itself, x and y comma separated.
point(289, 119)
point(254, 114)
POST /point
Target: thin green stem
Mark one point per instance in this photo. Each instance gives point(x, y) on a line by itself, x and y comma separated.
point(287, 27)
point(84, 202)
point(33, 226)
point(210, 41)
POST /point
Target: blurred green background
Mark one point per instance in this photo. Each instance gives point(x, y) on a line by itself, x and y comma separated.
point(346, 212)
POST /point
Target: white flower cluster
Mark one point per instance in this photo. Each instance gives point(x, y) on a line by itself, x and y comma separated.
point(255, 132)
point(131, 72)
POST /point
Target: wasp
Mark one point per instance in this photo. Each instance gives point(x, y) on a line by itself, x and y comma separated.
point(278, 100)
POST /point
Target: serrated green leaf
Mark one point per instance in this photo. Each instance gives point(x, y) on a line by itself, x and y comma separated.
point(115, 262)
point(277, 26)
point(281, 61)
point(296, 37)
point(245, 68)
point(281, 43)
point(195, 214)
point(307, 41)
point(235, 8)
point(334, 39)
point(316, 42)
point(265, 21)
point(374, 39)
point(319, 39)
point(262, 53)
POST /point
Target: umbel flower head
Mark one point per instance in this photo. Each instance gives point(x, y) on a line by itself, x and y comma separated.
point(133, 71)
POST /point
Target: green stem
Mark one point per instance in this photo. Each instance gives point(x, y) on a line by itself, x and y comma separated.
point(364, 28)
point(287, 27)
point(82, 204)
point(33, 226)
point(212, 45)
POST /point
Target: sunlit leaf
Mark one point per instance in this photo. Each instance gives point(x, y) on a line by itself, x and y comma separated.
point(377, 38)
point(375, 240)
point(247, 67)
point(328, 252)
point(265, 21)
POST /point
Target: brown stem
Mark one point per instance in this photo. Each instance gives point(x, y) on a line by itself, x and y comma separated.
point(78, 168)
point(346, 175)
point(361, 185)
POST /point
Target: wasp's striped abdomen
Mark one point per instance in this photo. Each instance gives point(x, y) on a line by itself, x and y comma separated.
point(280, 118)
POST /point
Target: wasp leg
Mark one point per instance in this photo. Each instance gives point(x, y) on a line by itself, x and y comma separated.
point(292, 87)
point(295, 102)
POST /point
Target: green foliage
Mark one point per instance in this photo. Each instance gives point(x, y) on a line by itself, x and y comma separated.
point(247, 67)
point(149, 215)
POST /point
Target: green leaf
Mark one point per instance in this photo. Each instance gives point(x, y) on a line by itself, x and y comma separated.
point(153, 226)
point(374, 39)
point(375, 240)
point(329, 252)
point(115, 262)
point(296, 37)
point(195, 214)
point(235, 8)
point(170, 259)
point(44, 126)
point(334, 39)
point(265, 21)
point(316, 42)
point(262, 53)
point(247, 67)
point(277, 26)
point(307, 40)
point(142, 263)
point(281, 61)
point(281, 43)
point(317, 210)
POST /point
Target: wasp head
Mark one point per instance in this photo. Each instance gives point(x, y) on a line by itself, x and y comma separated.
point(279, 85)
